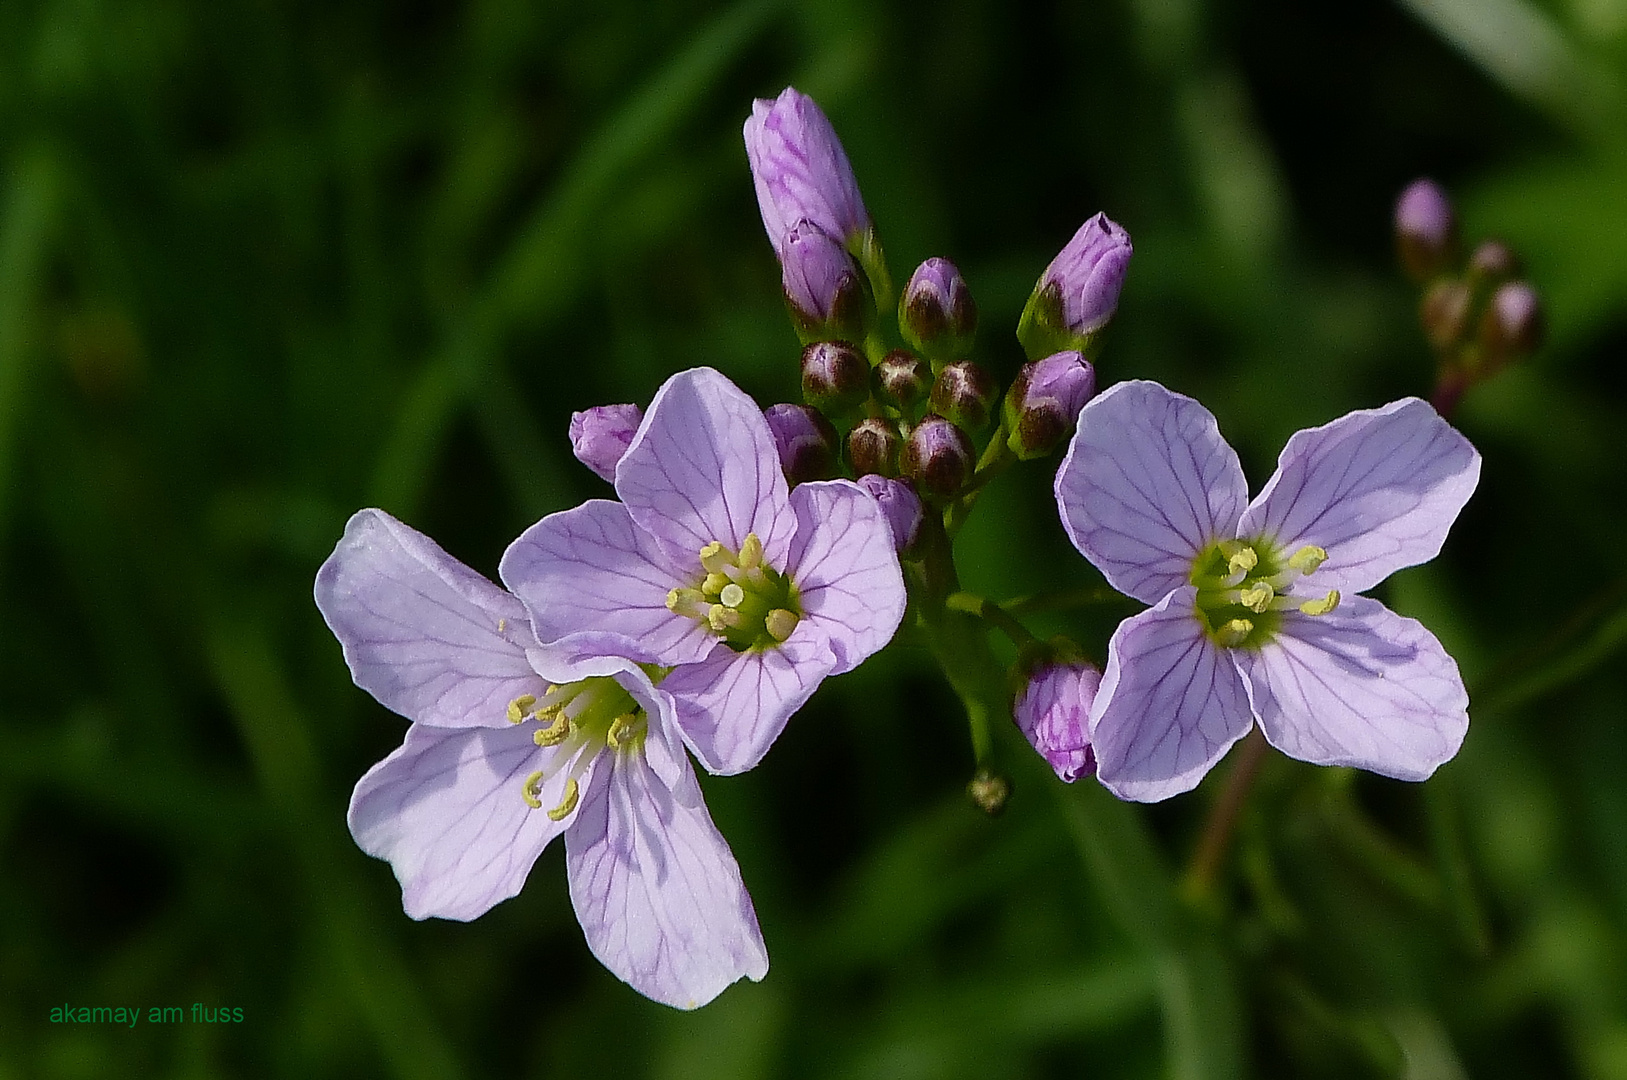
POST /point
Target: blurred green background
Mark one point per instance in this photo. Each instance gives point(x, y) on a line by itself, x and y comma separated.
point(262, 264)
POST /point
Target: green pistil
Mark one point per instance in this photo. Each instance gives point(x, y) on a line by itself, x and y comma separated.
point(739, 597)
point(1243, 590)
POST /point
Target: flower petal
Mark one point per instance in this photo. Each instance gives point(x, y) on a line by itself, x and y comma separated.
point(1147, 482)
point(1170, 704)
point(1359, 686)
point(447, 811)
point(704, 467)
point(732, 706)
point(845, 566)
point(591, 569)
point(1377, 489)
point(656, 888)
point(424, 634)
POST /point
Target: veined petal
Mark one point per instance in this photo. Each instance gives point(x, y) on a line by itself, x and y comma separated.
point(592, 569)
point(704, 467)
point(732, 706)
point(845, 566)
point(1377, 489)
point(1170, 704)
point(1148, 482)
point(1359, 686)
point(447, 810)
point(655, 886)
point(424, 634)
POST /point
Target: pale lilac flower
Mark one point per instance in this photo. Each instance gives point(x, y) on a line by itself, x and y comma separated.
point(901, 505)
point(599, 436)
point(514, 743)
point(751, 592)
point(1053, 713)
point(1253, 617)
point(801, 171)
point(806, 441)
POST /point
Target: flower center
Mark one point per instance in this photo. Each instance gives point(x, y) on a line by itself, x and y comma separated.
point(577, 721)
point(746, 602)
point(1243, 589)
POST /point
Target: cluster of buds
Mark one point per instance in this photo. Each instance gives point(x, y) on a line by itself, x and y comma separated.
point(1478, 313)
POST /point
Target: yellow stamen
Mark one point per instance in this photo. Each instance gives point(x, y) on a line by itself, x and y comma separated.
point(731, 595)
point(502, 625)
point(555, 733)
point(567, 804)
point(720, 618)
point(1244, 561)
point(1235, 632)
point(1307, 559)
point(780, 623)
point(751, 552)
point(1322, 606)
point(1257, 597)
point(529, 791)
point(715, 583)
point(714, 557)
point(519, 707)
point(620, 729)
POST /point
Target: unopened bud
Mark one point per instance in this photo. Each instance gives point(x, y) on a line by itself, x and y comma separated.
point(965, 394)
point(1053, 712)
point(835, 377)
point(825, 290)
point(989, 790)
point(1512, 324)
point(801, 171)
point(937, 314)
point(1044, 401)
point(1079, 292)
point(805, 440)
point(600, 436)
point(1426, 230)
point(1492, 263)
point(899, 504)
point(938, 456)
point(903, 378)
point(1444, 313)
point(872, 447)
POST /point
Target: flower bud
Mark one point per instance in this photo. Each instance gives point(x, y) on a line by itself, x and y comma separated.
point(1426, 230)
point(600, 436)
point(1512, 324)
point(872, 447)
point(965, 394)
point(1492, 263)
point(938, 456)
point(1044, 401)
point(901, 506)
point(1079, 292)
point(805, 439)
point(824, 288)
point(937, 314)
point(903, 378)
point(835, 376)
point(1444, 312)
point(801, 171)
point(989, 790)
point(1052, 711)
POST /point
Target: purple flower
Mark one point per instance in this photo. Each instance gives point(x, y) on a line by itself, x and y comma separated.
point(514, 743)
point(1053, 711)
point(801, 172)
point(749, 591)
point(599, 436)
point(1079, 292)
point(901, 505)
point(1253, 617)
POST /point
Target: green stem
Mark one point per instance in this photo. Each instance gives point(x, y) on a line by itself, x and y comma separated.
point(997, 458)
point(1223, 815)
point(1074, 598)
point(993, 614)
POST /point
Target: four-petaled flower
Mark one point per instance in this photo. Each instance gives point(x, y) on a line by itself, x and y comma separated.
point(514, 742)
point(1253, 617)
point(749, 591)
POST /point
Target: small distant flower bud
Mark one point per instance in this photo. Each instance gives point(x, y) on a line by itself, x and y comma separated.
point(872, 447)
point(965, 394)
point(903, 377)
point(937, 313)
point(1444, 312)
point(938, 456)
point(1044, 401)
point(835, 376)
point(805, 439)
point(1426, 230)
point(801, 171)
point(901, 506)
point(824, 288)
point(600, 436)
point(989, 790)
point(1079, 292)
point(1492, 263)
point(1512, 324)
point(1052, 711)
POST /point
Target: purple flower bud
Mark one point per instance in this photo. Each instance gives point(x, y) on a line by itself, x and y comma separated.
point(1492, 263)
point(805, 440)
point(600, 436)
point(1044, 401)
point(872, 447)
point(800, 171)
point(938, 456)
point(937, 313)
point(1079, 292)
point(824, 287)
point(1426, 230)
point(835, 376)
point(1513, 324)
point(1444, 313)
point(901, 506)
point(903, 377)
point(964, 394)
point(1052, 712)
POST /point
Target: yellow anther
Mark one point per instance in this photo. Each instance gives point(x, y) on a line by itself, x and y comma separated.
point(715, 557)
point(1235, 632)
point(674, 598)
point(529, 791)
point(621, 729)
point(1258, 597)
point(751, 552)
point(555, 733)
point(1244, 561)
point(502, 625)
point(731, 595)
point(688, 602)
point(715, 583)
point(520, 706)
point(720, 618)
point(780, 623)
point(567, 804)
point(1307, 559)
point(1322, 606)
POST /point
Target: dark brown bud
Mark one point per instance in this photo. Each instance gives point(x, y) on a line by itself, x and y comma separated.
point(1444, 312)
point(835, 377)
point(938, 456)
point(872, 447)
point(964, 394)
point(903, 378)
